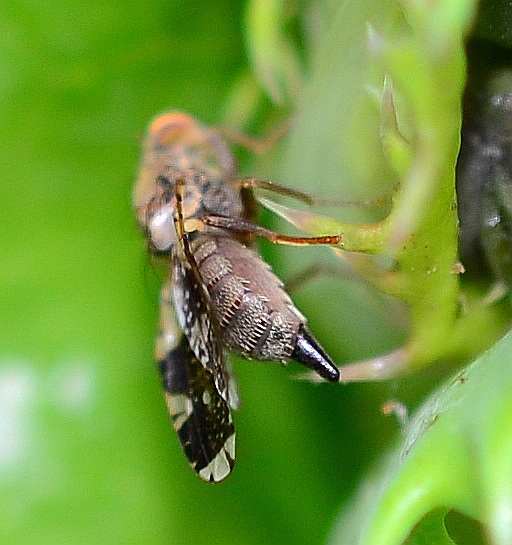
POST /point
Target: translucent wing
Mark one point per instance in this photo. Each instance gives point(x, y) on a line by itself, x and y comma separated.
point(200, 415)
point(193, 309)
point(191, 303)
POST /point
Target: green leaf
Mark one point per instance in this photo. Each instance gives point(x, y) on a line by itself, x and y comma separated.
point(430, 530)
point(456, 454)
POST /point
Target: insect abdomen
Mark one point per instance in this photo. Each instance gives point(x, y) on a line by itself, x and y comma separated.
point(256, 316)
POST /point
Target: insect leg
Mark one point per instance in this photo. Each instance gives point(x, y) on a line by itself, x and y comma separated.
point(248, 184)
point(243, 226)
point(251, 143)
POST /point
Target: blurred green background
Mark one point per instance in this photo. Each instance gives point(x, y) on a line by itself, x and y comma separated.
point(87, 453)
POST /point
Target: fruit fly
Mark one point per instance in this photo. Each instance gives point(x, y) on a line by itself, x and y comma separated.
point(222, 295)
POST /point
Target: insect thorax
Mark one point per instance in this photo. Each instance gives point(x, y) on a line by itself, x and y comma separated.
point(204, 192)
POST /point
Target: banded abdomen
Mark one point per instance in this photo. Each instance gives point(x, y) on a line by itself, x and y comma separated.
point(255, 315)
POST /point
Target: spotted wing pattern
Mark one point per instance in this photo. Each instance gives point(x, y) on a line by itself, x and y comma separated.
point(200, 415)
point(192, 310)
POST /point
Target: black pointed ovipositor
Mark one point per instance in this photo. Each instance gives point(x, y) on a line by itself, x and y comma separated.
point(308, 352)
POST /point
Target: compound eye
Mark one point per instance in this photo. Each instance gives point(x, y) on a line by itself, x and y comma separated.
point(161, 229)
point(168, 127)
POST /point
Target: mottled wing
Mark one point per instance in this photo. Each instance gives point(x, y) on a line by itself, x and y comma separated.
point(192, 308)
point(200, 416)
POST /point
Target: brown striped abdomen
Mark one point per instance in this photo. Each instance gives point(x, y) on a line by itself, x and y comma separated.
point(255, 315)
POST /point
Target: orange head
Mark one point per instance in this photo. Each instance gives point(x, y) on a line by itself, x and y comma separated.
point(171, 127)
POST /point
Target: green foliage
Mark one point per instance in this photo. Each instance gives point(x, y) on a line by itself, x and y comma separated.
point(455, 454)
